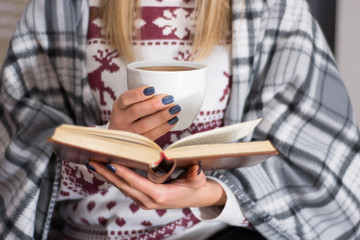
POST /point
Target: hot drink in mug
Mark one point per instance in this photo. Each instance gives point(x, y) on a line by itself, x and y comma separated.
point(186, 81)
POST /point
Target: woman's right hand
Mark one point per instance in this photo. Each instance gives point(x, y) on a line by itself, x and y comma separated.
point(140, 111)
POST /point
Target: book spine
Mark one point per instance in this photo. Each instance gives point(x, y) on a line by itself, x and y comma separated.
point(162, 169)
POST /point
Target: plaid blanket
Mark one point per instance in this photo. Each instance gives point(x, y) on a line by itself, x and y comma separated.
point(283, 71)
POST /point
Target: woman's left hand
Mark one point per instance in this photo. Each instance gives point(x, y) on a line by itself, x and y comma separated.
point(190, 189)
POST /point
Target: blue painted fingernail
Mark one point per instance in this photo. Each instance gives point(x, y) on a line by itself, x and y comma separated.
point(149, 91)
point(167, 100)
point(200, 169)
point(90, 167)
point(173, 120)
point(175, 109)
point(111, 167)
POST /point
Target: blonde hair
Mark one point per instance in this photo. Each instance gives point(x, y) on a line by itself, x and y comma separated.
point(118, 16)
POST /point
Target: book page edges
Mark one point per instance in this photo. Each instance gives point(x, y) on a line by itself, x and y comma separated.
point(221, 156)
point(157, 170)
point(81, 147)
point(111, 134)
point(78, 155)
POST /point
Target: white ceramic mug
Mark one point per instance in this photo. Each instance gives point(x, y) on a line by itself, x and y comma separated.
point(186, 81)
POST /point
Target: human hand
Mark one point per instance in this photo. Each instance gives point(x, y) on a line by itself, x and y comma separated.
point(190, 189)
point(140, 111)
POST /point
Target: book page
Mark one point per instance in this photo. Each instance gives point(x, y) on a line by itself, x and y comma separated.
point(203, 152)
point(79, 146)
point(113, 134)
point(219, 135)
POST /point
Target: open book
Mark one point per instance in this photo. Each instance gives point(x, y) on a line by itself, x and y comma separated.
point(214, 149)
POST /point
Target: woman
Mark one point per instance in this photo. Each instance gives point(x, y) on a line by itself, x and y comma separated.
point(281, 69)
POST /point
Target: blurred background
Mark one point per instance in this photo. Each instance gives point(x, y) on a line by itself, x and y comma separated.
point(10, 11)
point(339, 20)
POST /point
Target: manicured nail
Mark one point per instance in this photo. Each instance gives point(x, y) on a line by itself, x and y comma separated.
point(200, 169)
point(175, 109)
point(173, 120)
point(90, 167)
point(111, 167)
point(167, 100)
point(149, 91)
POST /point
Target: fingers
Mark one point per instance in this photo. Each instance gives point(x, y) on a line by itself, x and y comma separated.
point(191, 189)
point(136, 105)
point(143, 120)
point(133, 180)
point(162, 126)
point(194, 177)
point(149, 107)
point(140, 111)
point(136, 195)
point(133, 96)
